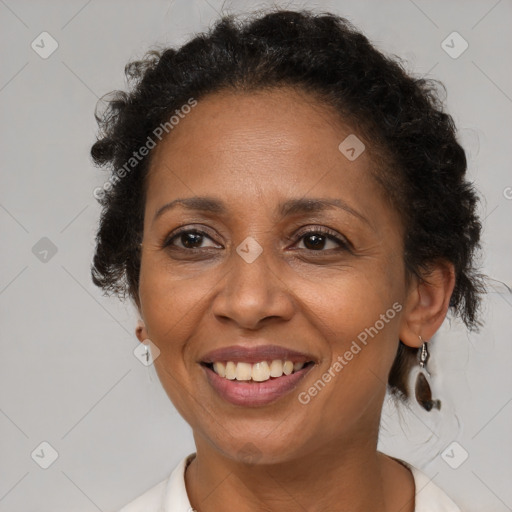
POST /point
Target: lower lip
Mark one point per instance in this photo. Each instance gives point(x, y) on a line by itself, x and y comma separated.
point(254, 394)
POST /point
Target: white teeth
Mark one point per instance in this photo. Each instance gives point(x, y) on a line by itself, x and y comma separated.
point(220, 369)
point(287, 367)
point(243, 371)
point(258, 372)
point(276, 368)
point(230, 370)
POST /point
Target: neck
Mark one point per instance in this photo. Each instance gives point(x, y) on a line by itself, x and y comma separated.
point(339, 476)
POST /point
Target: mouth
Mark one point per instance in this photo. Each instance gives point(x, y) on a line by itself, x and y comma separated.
point(256, 375)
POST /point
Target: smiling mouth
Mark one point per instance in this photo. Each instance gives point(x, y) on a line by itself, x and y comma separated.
point(258, 372)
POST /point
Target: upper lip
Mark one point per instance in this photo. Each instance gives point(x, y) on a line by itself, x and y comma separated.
point(255, 354)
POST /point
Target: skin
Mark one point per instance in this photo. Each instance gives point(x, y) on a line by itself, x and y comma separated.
point(253, 151)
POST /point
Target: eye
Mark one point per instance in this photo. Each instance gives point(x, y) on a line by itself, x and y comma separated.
point(189, 239)
point(318, 239)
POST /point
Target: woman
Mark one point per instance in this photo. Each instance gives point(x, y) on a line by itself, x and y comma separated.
point(288, 210)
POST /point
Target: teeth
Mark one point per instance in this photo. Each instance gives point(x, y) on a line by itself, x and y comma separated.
point(297, 366)
point(287, 367)
point(230, 370)
point(276, 368)
point(243, 371)
point(258, 372)
point(220, 369)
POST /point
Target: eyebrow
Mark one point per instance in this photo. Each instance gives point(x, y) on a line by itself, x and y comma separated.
point(285, 209)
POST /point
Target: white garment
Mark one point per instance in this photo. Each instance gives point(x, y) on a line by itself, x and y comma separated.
point(170, 495)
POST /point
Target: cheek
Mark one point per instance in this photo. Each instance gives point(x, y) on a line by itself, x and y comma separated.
point(165, 294)
point(347, 302)
point(170, 308)
point(358, 314)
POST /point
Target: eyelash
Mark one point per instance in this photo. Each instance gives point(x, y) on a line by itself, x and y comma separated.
point(331, 235)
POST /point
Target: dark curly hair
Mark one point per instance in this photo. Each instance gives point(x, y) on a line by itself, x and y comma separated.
point(421, 165)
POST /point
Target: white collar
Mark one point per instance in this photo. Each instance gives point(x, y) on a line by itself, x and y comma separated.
point(171, 495)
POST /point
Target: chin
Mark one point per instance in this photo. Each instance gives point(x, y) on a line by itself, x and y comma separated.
point(252, 450)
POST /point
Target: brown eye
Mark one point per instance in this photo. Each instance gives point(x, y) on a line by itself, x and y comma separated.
point(318, 239)
point(189, 239)
point(315, 241)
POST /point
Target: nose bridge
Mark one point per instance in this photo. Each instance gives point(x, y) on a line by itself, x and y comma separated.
point(251, 290)
point(250, 276)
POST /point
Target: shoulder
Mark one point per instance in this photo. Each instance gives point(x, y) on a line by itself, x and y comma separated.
point(166, 496)
point(429, 497)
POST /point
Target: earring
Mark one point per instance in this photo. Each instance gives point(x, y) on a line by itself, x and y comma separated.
point(422, 387)
point(148, 358)
point(147, 354)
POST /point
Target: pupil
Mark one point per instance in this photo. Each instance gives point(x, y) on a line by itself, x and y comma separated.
point(318, 242)
point(188, 239)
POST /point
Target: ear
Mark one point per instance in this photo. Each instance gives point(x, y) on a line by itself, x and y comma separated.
point(141, 331)
point(427, 303)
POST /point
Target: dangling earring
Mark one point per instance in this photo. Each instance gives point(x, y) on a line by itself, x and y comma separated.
point(422, 387)
point(147, 358)
point(147, 354)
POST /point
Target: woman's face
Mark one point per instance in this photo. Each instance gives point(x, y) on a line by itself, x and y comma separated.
point(255, 278)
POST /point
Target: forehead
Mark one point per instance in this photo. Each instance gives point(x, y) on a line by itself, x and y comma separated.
point(277, 138)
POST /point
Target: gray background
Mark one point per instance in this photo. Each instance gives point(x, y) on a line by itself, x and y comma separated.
point(69, 376)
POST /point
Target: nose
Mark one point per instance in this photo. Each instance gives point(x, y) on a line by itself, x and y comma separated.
point(252, 294)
